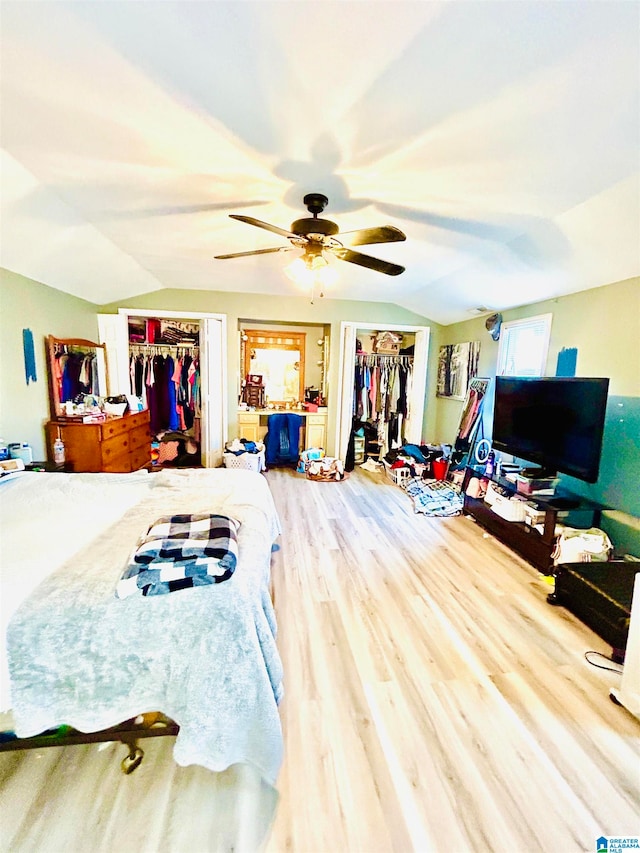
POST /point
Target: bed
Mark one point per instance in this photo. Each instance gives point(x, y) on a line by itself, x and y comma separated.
point(76, 655)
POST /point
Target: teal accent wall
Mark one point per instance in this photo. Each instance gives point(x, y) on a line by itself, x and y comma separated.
point(618, 484)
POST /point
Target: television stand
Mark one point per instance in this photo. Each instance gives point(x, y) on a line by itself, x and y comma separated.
point(534, 545)
point(539, 473)
point(561, 503)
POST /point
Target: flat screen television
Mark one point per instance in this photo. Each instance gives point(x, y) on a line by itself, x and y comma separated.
point(554, 422)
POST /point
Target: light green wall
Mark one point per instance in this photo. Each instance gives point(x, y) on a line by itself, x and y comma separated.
point(603, 324)
point(299, 310)
point(27, 304)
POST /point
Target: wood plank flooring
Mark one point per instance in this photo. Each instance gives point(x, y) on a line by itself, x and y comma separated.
point(434, 701)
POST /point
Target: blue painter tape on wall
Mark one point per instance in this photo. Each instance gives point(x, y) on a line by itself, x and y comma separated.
point(567, 361)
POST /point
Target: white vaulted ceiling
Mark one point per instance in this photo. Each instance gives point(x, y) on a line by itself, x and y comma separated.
point(502, 137)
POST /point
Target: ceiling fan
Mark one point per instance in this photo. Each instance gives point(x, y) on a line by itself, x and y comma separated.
point(315, 235)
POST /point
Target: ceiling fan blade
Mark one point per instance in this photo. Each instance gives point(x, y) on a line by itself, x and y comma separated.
point(367, 261)
point(367, 236)
point(260, 224)
point(177, 210)
point(254, 252)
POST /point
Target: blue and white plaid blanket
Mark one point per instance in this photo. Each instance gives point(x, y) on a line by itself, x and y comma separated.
point(434, 497)
point(179, 552)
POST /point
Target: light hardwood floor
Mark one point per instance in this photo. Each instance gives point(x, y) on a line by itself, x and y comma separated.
point(434, 701)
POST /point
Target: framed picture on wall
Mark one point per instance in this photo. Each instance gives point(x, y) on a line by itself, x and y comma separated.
point(457, 364)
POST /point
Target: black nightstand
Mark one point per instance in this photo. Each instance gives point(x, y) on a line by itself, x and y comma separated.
point(599, 594)
point(50, 467)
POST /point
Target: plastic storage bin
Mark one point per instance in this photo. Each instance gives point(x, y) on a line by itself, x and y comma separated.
point(511, 509)
point(399, 476)
point(21, 450)
point(248, 461)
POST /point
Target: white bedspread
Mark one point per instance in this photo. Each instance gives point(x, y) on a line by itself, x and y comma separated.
point(206, 657)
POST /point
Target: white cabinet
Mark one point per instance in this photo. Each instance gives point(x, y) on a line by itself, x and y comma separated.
point(249, 426)
point(252, 426)
point(315, 434)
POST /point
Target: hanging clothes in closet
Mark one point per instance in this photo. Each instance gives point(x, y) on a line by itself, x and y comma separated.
point(167, 380)
point(382, 386)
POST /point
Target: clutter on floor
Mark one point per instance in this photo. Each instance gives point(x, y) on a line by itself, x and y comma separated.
point(316, 465)
point(434, 497)
point(311, 454)
point(372, 465)
point(177, 449)
point(421, 471)
point(327, 469)
point(242, 453)
point(428, 461)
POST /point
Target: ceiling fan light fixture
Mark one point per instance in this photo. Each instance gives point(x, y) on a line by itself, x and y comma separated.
point(309, 271)
point(299, 273)
point(326, 275)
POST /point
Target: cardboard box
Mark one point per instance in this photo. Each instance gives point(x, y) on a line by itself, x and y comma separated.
point(533, 515)
point(387, 343)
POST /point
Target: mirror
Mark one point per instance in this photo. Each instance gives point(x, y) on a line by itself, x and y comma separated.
point(279, 359)
point(76, 366)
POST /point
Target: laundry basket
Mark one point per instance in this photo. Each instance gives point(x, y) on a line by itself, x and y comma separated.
point(399, 476)
point(250, 461)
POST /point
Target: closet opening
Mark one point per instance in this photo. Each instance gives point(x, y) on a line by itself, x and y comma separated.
point(174, 365)
point(282, 380)
point(383, 372)
point(164, 371)
point(383, 375)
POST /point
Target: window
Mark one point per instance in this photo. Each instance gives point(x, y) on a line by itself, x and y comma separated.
point(523, 346)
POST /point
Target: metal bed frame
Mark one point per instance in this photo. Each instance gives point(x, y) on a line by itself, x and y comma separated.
point(128, 733)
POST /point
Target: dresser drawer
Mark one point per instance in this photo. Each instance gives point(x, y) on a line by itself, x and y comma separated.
point(248, 418)
point(316, 419)
point(117, 426)
point(114, 447)
point(140, 457)
point(138, 420)
point(117, 465)
point(140, 437)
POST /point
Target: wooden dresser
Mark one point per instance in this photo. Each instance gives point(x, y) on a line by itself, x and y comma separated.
point(118, 445)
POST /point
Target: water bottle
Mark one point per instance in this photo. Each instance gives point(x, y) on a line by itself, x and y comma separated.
point(58, 451)
point(488, 470)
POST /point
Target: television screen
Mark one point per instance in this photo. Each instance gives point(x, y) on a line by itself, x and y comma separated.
point(554, 422)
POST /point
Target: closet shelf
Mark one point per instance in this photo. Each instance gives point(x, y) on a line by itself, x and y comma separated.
point(160, 346)
point(371, 358)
